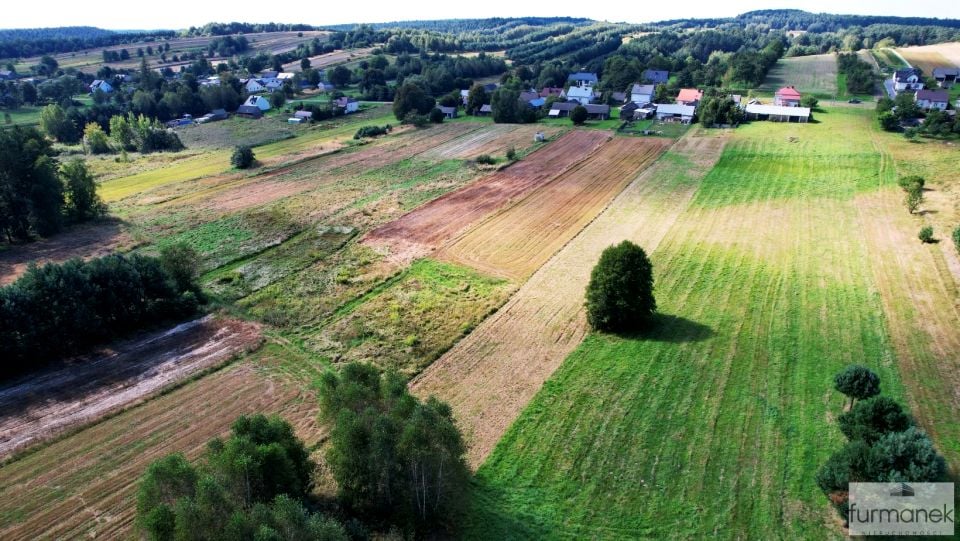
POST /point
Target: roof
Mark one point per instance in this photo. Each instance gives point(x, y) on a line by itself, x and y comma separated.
point(252, 100)
point(550, 91)
point(597, 109)
point(779, 110)
point(937, 72)
point(447, 110)
point(218, 112)
point(656, 76)
point(485, 108)
point(630, 106)
point(689, 94)
point(789, 93)
point(618, 96)
point(906, 72)
point(675, 109)
point(934, 95)
point(527, 96)
point(539, 102)
point(249, 110)
point(583, 76)
point(268, 75)
point(563, 105)
point(580, 92)
point(282, 76)
point(342, 102)
point(303, 114)
point(642, 89)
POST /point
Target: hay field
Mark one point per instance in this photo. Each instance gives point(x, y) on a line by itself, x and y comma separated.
point(928, 57)
point(815, 74)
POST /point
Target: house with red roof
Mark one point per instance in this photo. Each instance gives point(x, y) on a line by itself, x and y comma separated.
point(787, 96)
point(689, 96)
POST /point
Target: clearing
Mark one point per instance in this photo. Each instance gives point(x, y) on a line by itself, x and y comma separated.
point(517, 241)
point(815, 74)
point(75, 393)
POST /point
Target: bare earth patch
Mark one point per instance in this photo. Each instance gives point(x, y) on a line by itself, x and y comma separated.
point(41, 406)
point(491, 375)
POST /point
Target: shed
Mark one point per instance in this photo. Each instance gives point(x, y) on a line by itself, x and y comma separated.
point(249, 111)
point(448, 112)
point(777, 113)
point(656, 77)
point(675, 112)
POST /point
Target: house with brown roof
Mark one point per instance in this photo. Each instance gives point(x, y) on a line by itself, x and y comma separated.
point(932, 99)
point(689, 96)
point(787, 96)
point(548, 91)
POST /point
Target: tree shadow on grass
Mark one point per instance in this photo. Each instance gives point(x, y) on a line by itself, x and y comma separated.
point(673, 329)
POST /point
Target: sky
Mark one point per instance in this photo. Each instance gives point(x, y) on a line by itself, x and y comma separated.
point(178, 14)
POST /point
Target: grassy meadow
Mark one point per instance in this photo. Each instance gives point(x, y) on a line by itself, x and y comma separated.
point(715, 423)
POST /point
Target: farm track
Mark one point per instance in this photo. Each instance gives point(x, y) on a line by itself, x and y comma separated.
point(64, 398)
point(85, 485)
point(517, 241)
point(429, 226)
point(491, 375)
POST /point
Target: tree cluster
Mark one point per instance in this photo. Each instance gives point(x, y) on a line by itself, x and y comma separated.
point(63, 309)
point(883, 445)
point(860, 76)
point(253, 485)
point(716, 109)
point(396, 460)
point(372, 131)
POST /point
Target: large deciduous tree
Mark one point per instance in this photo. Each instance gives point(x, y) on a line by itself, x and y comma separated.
point(620, 293)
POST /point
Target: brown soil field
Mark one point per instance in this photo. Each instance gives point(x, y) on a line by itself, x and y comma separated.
point(41, 406)
point(84, 241)
point(493, 140)
point(330, 59)
point(84, 485)
point(491, 375)
point(517, 241)
point(426, 228)
point(928, 57)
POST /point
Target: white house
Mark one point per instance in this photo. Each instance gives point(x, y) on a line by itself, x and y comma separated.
point(349, 105)
point(907, 79)
point(641, 94)
point(273, 86)
point(325, 87)
point(259, 102)
point(932, 99)
point(582, 94)
point(284, 76)
point(102, 86)
point(254, 86)
point(582, 78)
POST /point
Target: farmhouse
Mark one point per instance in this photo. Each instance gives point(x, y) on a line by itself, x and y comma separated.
point(582, 78)
point(259, 102)
point(641, 94)
point(249, 111)
point(627, 111)
point(253, 86)
point(932, 99)
point(675, 112)
point(777, 113)
point(907, 79)
point(273, 86)
point(102, 86)
point(689, 96)
point(582, 94)
point(448, 112)
point(787, 96)
point(548, 91)
point(946, 77)
point(656, 77)
point(349, 105)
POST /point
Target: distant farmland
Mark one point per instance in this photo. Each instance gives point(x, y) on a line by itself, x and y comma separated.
point(929, 57)
point(809, 74)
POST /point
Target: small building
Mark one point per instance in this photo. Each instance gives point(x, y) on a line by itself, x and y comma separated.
point(689, 96)
point(598, 112)
point(484, 110)
point(777, 113)
point(787, 96)
point(268, 75)
point(932, 99)
point(213, 116)
point(325, 87)
point(582, 78)
point(284, 76)
point(7, 75)
point(295, 120)
point(527, 97)
point(908, 79)
point(537, 103)
point(249, 111)
point(642, 94)
point(448, 112)
point(274, 86)
point(655, 77)
point(618, 97)
point(946, 77)
point(551, 91)
point(102, 86)
point(464, 97)
point(253, 86)
point(259, 102)
point(626, 112)
point(675, 112)
point(349, 105)
point(582, 94)
point(305, 115)
point(561, 109)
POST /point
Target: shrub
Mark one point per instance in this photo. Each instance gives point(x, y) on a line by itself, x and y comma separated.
point(913, 200)
point(620, 293)
point(578, 115)
point(416, 120)
point(242, 157)
point(809, 101)
point(911, 183)
point(371, 131)
point(908, 456)
point(926, 234)
point(854, 462)
point(436, 115)
point(858, 382)
point(873, 418)
point(956, 238)
point(511, 154)
point(95, 139)
point(485, 159)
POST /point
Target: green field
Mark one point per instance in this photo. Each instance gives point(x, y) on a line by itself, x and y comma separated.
point(715, 423)
point(809, 74)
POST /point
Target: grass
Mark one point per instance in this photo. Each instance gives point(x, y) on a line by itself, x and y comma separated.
point(673, 130)
point(815, 75)
point(714, 423)
point(888, 59)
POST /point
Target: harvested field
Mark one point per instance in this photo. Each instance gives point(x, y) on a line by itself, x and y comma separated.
point(42, 406)
point(815, 74)
point(427, 227)
point(490, 375)
point(928, 57)
point(83, 241)
point(492, 140)
point(330, 59)
point(84, 485)
point(517, 241)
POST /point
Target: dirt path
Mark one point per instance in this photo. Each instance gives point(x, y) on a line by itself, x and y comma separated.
point(41, 406)
point(491, 375)
point(83, 241)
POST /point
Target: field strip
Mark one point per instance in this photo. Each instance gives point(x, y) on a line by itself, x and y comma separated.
point(927, 57)
point(490, 375)
point(491, 140)
point(425, 228)
point(517, 241)
point(85, 485)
